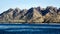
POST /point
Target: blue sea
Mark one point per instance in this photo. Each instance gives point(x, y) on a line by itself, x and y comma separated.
point(29, 28)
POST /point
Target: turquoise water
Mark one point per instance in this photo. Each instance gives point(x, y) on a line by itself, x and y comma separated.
point(29, 28)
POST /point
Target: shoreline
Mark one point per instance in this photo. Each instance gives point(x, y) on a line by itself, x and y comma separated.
point(34, 23)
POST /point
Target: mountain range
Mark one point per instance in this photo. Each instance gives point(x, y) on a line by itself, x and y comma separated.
point(49, 14)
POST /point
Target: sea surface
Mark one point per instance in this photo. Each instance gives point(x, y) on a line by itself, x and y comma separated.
point(29, 28)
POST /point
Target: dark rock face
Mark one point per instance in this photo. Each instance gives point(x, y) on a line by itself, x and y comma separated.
point(29, 14)
point(36, 15)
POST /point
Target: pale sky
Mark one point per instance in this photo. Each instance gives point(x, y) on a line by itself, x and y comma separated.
point(22, 4)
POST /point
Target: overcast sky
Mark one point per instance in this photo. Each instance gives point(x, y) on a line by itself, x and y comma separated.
point(22, 4)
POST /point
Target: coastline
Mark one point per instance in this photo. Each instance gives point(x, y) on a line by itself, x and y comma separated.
point(34, 23)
